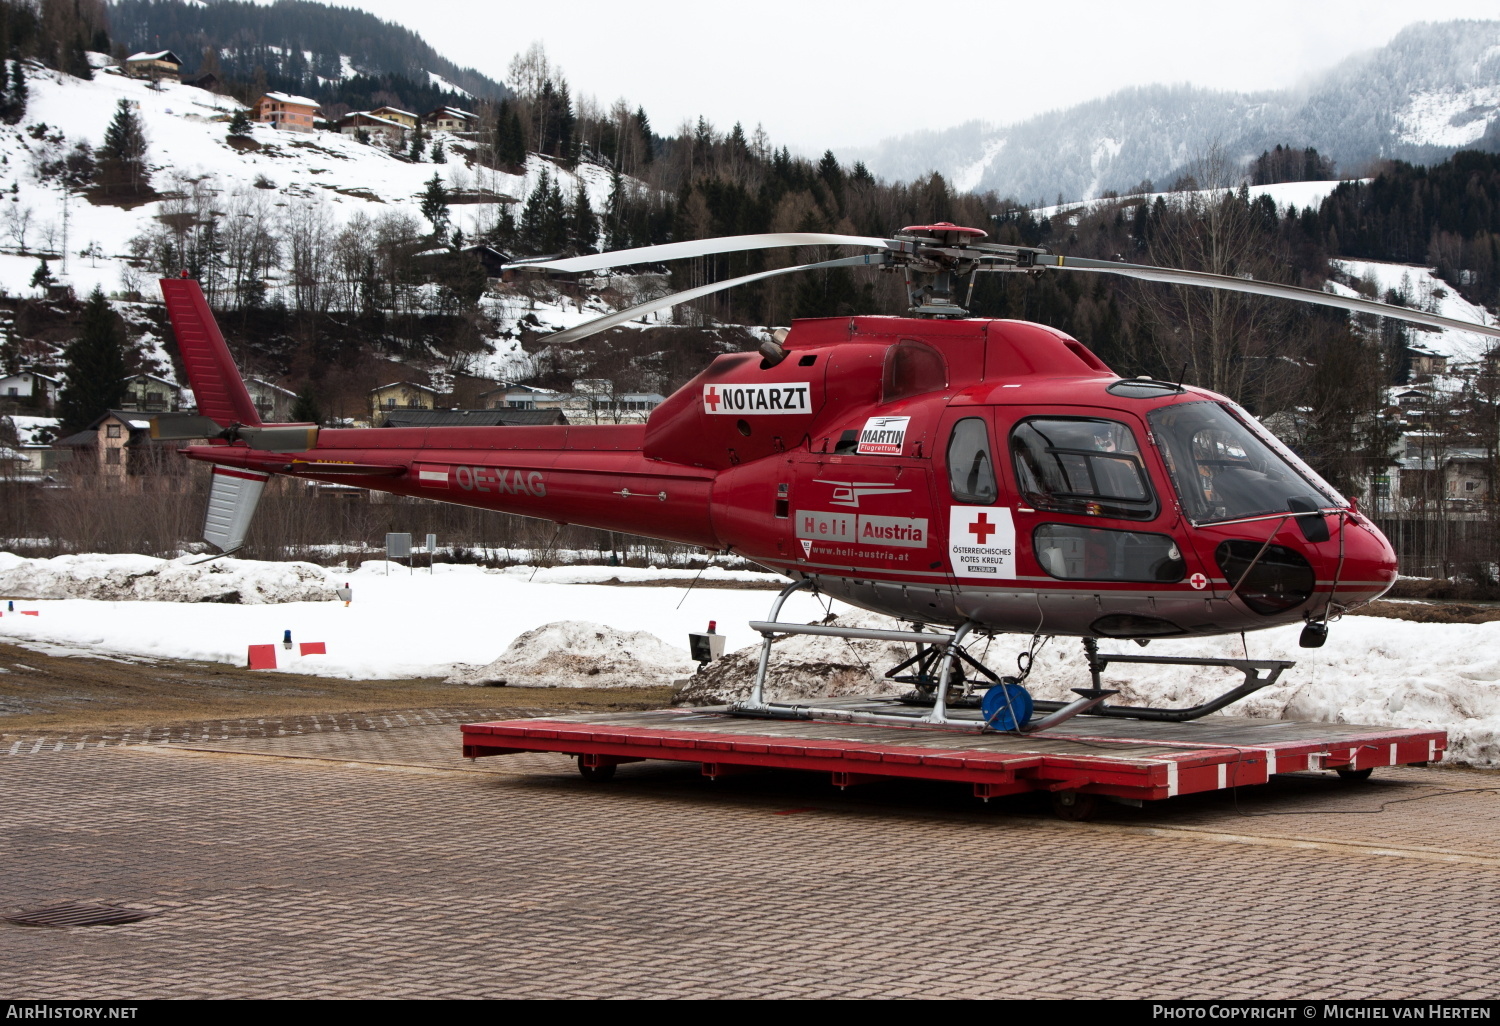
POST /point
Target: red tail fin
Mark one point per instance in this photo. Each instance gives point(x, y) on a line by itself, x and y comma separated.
point(211, 371)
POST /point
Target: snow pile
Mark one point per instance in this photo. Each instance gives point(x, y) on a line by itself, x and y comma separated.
point(806, 666)
point(578, 654)
point(117, 578)
point(1373, 670)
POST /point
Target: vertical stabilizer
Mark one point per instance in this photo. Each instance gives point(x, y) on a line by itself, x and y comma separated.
point(211, 371)
point(231, 504)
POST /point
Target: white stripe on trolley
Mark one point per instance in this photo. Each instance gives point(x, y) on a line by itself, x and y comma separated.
point(1223, 775)
point(1393, 754)
point(1171, 777)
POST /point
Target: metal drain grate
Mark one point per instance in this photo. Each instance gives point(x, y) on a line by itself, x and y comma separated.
point(78, 915)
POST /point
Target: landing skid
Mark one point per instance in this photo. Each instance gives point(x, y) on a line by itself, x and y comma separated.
point(939, 664)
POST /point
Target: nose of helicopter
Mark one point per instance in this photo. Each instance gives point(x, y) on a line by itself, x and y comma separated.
point(1368, 562)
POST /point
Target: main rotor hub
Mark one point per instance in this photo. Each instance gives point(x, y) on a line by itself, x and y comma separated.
point(935, 258)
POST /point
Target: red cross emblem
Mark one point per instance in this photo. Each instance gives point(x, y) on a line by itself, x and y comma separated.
point(1198, 581)
point(711, 398)
point(982, 528)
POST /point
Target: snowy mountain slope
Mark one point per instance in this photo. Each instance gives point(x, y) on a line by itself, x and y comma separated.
point(188, 148)
point(1425, 290)
point(1433, 89)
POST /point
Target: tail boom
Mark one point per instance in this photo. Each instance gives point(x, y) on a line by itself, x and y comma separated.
point(584, 475)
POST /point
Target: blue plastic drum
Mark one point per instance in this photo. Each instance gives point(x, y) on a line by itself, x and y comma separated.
point(1006, 706)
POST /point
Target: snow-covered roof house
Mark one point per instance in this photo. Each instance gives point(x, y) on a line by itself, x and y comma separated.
point(372, 125)
point(149, 392)
point(160, 64)
point(118, 447)
point(28, 388)
point(286, 112)
point(451, 119)
point(272, 402)
point(1426, 361)
point(396, 114)
point(402, 395)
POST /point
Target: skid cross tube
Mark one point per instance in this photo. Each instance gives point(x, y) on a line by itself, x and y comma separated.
point(1259, 673)
point(757, 706)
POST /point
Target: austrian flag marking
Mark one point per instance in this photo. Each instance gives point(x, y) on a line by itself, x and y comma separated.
point(739, 400)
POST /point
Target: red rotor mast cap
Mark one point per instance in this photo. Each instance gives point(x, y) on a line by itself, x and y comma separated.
point(943, 226)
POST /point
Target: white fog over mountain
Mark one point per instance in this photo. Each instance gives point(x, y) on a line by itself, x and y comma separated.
point(1432, 90)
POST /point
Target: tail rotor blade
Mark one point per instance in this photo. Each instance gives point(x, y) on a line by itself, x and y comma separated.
point(704, 247)
point(279, 437)
point(1229, 283)
point(611, 320)
point(181, 427)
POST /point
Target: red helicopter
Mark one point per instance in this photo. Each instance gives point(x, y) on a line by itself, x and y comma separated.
point(989, 476)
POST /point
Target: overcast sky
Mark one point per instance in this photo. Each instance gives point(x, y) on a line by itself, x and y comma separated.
point(838, 73)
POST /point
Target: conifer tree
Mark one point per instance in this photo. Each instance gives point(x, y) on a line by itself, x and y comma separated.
point(418, 144)
point(534, 216)
point(583, 226)
point(555, 220)
point(13, 98)
point(510, 136)
point(305, 409)
point(239, 125)
point(123, 157)
point(95, 363)
point(435, 204)
point(42, 277)
point(438, 156)
point(643, 126)
point(617, 233)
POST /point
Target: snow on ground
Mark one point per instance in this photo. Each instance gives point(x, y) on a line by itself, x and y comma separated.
point(401, 623)
point(804, 666)
point(1373, 670)
point(1284, 194)
point(576, 653)
point(1427, 291)
point(144, 578)
point(405, 623)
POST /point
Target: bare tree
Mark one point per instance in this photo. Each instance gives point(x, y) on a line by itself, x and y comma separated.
point(308, 247)
point(18, 223)
point(1220, 337)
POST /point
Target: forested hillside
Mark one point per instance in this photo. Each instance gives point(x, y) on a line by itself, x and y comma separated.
point(346, 58)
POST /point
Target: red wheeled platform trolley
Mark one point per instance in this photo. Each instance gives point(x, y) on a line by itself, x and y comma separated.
point(1078, 761)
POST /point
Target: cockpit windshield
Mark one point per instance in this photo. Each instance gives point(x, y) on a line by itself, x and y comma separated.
point(1224, 469)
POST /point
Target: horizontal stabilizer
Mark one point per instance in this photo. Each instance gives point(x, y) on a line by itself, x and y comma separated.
point(231, 506)
point(352, 469)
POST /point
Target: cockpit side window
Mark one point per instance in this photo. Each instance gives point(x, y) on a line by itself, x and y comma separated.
point(971, 468)
point(1081, 465)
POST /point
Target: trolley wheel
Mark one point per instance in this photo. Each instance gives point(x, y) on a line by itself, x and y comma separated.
point(1074, 805)
point(1354, 776)
point(596, 774)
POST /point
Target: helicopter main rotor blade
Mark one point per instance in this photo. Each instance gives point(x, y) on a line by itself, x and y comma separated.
point(1260, 288)
point(702, 247)
point(611, 320)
